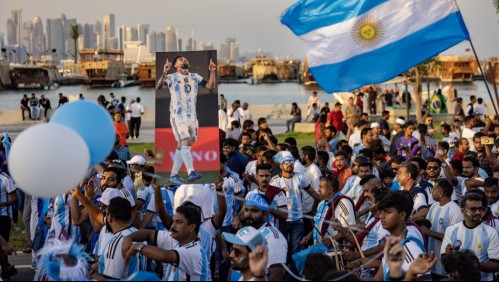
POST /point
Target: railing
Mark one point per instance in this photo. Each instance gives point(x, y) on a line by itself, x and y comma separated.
point(278, 110)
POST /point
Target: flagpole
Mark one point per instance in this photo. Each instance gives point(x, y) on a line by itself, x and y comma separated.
point(483, 74)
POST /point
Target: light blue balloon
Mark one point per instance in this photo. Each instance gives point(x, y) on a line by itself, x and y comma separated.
point(93, 123)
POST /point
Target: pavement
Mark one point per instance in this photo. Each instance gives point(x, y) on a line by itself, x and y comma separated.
point(22, 262)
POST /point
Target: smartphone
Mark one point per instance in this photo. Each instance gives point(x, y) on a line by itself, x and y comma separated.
point(487, 140)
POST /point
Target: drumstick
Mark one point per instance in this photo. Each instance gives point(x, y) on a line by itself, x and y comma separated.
point(335, 254)
point(355, 238)
point(318, 231)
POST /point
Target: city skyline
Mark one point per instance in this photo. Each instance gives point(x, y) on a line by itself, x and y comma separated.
point(255, 25)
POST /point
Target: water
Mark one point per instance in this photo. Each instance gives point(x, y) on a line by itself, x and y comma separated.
point(261, 94)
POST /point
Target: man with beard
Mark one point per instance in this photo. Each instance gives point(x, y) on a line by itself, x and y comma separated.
point(473, 234)
point(366, 135)
point(183, 87)
point(352, 189)
point(246, 241)
point(471, 179)
point(491, 190)
point(249, 174)
point(343, 169)
point(112, 263)
point(180, 248)
point(330, 134)
point(442, 214)
point(294, 185)
point(255, 214)
point(486, 158)
point(236, 160)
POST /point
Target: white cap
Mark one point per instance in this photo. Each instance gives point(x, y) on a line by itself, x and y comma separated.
point(246, 236)
point(374, 124)
point(195, 200)
point(400, 121)
point(138, 159)
point(110, 193)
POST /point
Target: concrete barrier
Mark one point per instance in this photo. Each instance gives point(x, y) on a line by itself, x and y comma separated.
point(304, 127)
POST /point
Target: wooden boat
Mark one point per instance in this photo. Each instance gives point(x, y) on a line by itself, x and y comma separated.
point(288, 70)
point(264, 70)
point(102, 67)
point(306, 76)
point(33, 77)
point(147, 74)
point(457, 68)
point(232, 73)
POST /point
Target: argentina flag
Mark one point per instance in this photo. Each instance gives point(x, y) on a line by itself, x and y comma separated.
point(352, 43)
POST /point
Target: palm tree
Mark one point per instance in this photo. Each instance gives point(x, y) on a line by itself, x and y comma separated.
point(74, 33)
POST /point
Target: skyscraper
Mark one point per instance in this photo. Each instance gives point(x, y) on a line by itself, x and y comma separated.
point(11, 32)
point(55, 36)
point(131, 34)
point(17, 18)
point(39, 40)
point(28, 36)
point(143, 30)
point(155, 42)
point(109, 24)
point(98, 34)
point(171, 39)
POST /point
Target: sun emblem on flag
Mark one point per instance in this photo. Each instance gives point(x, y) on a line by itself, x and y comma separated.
point(368, 31)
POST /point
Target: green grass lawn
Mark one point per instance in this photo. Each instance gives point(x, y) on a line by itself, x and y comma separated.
point(302, 138)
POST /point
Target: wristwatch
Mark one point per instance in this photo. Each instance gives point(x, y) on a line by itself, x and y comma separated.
point(139, 247)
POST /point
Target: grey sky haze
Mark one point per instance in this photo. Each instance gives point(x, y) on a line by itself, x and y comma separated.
point(255, 23)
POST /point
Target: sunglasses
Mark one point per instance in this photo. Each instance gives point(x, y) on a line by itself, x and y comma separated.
point(432, 167)
point(474, 209)
point(288, 162)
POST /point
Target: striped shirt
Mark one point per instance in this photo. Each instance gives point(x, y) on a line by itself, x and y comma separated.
point(494, 208)
point(277, 244)
point(192, 264)
point(313, 175)
point(184, 91)
point(7, 186)
point(483, 240)
point(375, 235)
point(112, 263)
point(145, 194)
point(232, 186)
point(343, 212)
point(61, 213)
point(167, 196)
point(441, 217)
point(251, 170)
point(296, 185)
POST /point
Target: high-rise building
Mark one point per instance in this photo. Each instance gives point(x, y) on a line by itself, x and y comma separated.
point(190, 44)
point(131, 34)
point(28, 36)
point(224, 53)
point(69, 43)
point(234, 52)
point(171, 42)
point(17, 18)
point(155, 42)
point(11, 32)
point(109, 33)
point(209, 46)
point(39, 39)
point(88, 36)
point(143, 30)
point(55, 37)
point(98, 34)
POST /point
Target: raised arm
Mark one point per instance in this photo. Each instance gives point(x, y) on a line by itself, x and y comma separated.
point(166, 219)
point(218, 218)
point(212, 79)
point(166, 69)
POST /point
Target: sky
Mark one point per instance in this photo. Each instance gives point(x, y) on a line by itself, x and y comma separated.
point(255, 24)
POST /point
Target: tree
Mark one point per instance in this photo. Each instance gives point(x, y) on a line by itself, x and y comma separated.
point(75, 33)
point(414, 77)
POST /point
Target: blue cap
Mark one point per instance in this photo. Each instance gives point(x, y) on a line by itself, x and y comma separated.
point(246, 236)
point(257, 201)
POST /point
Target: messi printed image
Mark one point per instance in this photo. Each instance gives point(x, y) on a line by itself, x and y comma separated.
point(187, 116)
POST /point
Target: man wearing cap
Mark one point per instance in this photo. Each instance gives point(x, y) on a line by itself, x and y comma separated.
point(294, 185)
point(137, 164)
point(397, 133)
point(183, 87)
point(377, 135)
point(255, 214)
point(113, 264)
point(243, 243)
point(366, 136)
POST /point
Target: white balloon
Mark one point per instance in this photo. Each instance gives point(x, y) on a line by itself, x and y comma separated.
point(47, 160)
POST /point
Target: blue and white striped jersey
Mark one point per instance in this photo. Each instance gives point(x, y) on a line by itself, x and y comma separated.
point(193, 263)
point(232, 186)
point(184, 92)
point(296, 185)
point(441, 217)
point(483, 240)
point(7, 186)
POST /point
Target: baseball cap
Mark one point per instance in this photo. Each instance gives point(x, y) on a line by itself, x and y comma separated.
point(246, 236)
point(257, 201)
point(138, 159)
point(110, 193)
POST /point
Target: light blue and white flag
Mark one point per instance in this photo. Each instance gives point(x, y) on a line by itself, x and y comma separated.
point(352, 43)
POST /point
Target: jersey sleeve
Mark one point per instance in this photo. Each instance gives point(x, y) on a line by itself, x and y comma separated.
point(151, 206)
point(305, 184)
point(10, 186)
point(280, 199)
point(344, 212)
point(164, 240)
point(142, 194)
point(493, 249)
point(420, 202)
point(128, 196)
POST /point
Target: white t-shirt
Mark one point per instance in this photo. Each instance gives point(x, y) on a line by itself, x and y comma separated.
point(137, 110)
point(354, 139)
point(222, 120)
point(483, 240)
point(276, 243)
point(441, 217)
point(192, 265)
point(298, 168)
point(246, 115)
point(251, 170)
point(468, 134)
point(205, 193)
point(313, 175)
point(7, 186)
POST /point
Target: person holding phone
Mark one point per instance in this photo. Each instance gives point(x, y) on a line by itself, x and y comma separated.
point(406, 142)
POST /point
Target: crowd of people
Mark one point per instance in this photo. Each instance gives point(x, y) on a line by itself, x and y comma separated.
point(413, 201)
